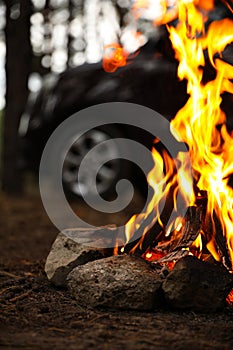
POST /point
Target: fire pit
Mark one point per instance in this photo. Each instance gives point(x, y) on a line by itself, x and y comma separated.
point(183, 262)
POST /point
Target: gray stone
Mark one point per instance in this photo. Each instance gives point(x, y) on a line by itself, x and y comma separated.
point(75, 247)
point(119, 282)
point(197, 285)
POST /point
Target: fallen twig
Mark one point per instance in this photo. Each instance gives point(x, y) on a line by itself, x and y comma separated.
point(8, 288)
point(5, 273)
point(21, 296)
point(56, 329)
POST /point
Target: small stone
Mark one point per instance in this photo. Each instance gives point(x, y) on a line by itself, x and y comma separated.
point(117, 282)
point(197, 285)
point(75, 247)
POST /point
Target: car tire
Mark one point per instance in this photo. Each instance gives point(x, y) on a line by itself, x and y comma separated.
point(110, 172)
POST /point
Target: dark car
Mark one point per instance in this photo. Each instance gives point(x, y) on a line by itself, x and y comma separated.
point(149, 81)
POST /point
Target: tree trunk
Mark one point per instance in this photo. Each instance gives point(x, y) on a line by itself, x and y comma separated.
point(18, 66)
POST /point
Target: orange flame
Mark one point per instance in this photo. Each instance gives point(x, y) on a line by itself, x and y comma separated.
point(157, 181)
point(162, 178)
point(114, 57)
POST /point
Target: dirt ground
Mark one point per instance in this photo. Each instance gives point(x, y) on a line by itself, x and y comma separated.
point(35, 315)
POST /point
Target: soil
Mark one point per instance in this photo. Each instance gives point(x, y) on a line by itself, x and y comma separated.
point(36, 315)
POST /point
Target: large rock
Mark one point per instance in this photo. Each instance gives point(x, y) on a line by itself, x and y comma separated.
point(75, 247)
point(197, 285)
point(119, 282)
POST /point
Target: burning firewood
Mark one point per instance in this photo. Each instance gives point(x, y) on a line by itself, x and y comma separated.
point(190, 232)
point(218, 240)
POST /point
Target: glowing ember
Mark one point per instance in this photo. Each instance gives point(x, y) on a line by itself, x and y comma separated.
point(149, 255)
point(154, 255)
point(230, 298)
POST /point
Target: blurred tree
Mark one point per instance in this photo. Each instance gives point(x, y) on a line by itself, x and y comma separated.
point(23, 50)
point(44, 36)
point(18, 66)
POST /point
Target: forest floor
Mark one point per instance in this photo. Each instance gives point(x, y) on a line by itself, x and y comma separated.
point(36, 315)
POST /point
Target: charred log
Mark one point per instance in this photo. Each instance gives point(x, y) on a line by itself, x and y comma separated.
point(214, 231)
point(191, 230)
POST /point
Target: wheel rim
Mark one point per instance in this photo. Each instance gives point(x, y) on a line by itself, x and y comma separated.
point(108, 172)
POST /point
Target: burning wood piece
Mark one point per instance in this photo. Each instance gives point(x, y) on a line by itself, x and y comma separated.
point(173, 256)
point(119, 282)
point(218, 240)
point(141, 242)
point(75, 247)
point(197, 285)
point(139, 246)
point(192, 227)
point(191, 230)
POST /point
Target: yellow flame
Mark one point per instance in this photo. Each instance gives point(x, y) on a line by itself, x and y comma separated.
point(212, 249)
point(197, 244)
point(179, 227)
point(210, 147)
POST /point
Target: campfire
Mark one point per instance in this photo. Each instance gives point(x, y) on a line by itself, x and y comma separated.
point(205, 233)
point(201, 124)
